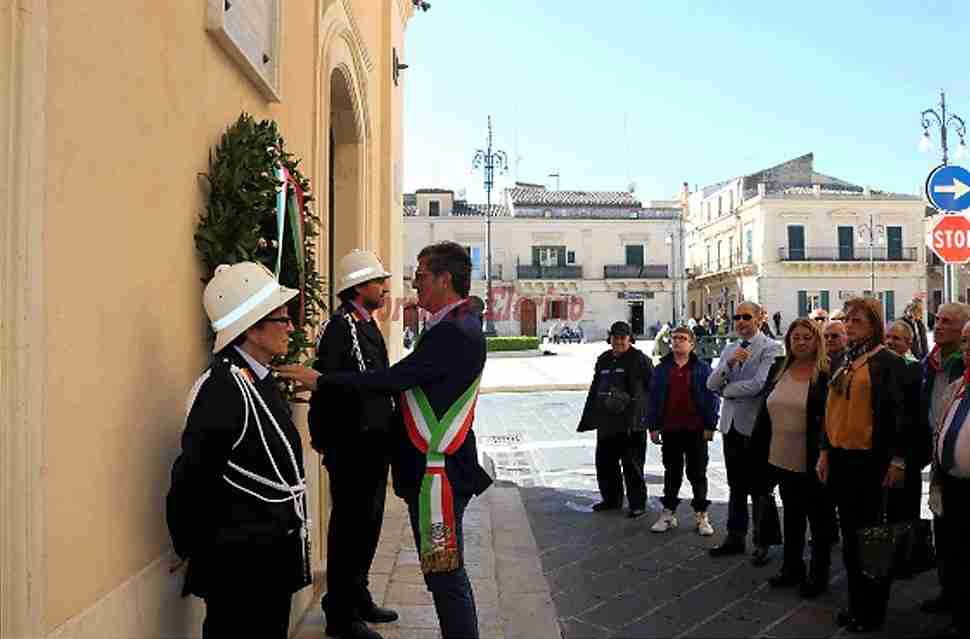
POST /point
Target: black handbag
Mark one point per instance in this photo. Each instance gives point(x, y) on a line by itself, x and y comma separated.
point(879, 546)
point(917, 554)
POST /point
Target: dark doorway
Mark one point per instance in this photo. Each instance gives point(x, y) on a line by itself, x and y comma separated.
point(636, 318)
point(527, 317)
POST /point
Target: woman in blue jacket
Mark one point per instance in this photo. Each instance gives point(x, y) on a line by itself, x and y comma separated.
point(682, 416)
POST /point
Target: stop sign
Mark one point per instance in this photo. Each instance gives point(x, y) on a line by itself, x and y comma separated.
point(950, 239)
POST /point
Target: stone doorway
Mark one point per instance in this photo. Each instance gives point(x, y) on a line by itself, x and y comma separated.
point(527, 317)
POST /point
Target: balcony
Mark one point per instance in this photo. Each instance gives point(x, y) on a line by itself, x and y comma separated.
point(848, 254)
point(635, 272)
point(727, 263)
point(533, 272)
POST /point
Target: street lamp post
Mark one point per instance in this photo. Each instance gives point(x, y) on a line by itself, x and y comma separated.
point(488, 160)
point(930, 118)
point(673, 282)
point(874, 234)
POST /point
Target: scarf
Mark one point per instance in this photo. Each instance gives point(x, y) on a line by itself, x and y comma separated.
point(841, 381)
point(436, 439)
point(936, 362)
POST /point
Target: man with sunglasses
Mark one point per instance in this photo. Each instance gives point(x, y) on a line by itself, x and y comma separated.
point(739, 379)
point(836, 343)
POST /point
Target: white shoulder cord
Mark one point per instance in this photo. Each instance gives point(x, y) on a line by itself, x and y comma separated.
point(297, 492)
point(355, 348)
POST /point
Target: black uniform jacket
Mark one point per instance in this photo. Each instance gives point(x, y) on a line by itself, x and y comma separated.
point(818, 393)
point(444, 363)
point(338, 414)
point(627, 373)
point(235, 542)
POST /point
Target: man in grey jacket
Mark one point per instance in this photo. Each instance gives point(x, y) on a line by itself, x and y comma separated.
point(739, 378)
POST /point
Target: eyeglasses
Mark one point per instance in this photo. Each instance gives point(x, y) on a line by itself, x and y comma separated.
point(681, 337)
point(832, 336)
point(820, 319)
point(747, 317)
point(421, 274)
point(278, 320)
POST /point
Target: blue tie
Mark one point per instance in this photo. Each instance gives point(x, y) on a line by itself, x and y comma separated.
point(948, 453)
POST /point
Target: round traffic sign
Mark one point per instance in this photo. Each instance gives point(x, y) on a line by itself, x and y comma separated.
point(950, 239)
point(948, 188)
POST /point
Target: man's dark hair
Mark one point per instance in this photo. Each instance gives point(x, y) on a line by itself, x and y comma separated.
point(347, 295)
point(449, 257)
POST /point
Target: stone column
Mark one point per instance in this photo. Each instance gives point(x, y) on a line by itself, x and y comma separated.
point(23, 318)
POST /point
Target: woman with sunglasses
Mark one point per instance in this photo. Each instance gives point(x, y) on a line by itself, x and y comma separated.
point(862, 453)
point(787, 436)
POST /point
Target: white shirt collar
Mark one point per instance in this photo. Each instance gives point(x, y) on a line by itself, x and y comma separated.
point(258, 369)
point(442, 313)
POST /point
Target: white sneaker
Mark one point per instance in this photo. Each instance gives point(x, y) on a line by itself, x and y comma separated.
point(666, 522)
point(704, 527)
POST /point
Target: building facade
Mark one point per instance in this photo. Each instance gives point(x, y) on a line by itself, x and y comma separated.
point(583, 259)
point(793, 239)
point(103, 330)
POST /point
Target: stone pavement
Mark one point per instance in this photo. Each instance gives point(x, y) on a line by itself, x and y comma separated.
point(501, 558)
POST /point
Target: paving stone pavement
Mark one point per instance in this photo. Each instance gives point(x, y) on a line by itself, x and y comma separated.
point(611, 577)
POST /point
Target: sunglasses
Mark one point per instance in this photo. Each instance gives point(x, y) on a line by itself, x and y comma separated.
point(747, 317)
point(832, 336)
point(819, 319)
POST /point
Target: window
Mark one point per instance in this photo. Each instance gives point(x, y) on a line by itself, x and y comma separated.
point(570, 257)
point(475, 253)
point(730, 200)
point(707, 264)
point(749, 245)
point(707, 205)
point(796, 242)
point(894, 242)
point(634, 254)
point(846, 243)
point(555, 309)
point(888, 300)
point(434, 208)
point(719, 211)
point(548, 255)
point(720, 243)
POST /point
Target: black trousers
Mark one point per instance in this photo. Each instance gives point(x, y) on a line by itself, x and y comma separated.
point(904, 501)
point(264, 614)
point(805, 501)
point(454, 600)
point(679, 447)
point(358, 485)
point(742, 472)
point(855, 482)
point(628, 450)
point(956, 521)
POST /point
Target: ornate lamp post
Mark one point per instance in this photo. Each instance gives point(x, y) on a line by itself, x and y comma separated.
point(873, 234)
point(488, 160)
point(933, 118)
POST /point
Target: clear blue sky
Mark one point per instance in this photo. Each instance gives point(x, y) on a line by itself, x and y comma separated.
point(709, 90)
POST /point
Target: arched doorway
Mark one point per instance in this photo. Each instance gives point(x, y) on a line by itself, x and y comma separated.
point(527, 317)
point(345, 201)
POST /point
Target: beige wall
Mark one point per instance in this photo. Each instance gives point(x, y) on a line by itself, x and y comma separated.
point(132, 115)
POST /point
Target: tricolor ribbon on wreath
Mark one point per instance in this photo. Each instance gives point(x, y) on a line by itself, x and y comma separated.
point(436, 439)
point(290, 195)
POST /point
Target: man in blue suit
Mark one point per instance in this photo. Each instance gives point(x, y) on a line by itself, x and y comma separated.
point(739, 378)
point(435, 461)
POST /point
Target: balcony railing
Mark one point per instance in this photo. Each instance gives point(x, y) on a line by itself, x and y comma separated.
point(635, 272)
point(727, 262)
point(532, 272)
point(848, 254)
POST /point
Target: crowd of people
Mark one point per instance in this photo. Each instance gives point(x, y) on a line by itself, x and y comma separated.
point(842, 414)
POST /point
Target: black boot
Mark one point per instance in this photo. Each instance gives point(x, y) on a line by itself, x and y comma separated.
point(789, 576)
point(818, 573)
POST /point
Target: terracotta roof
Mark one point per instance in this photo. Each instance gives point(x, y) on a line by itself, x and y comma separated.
point(463, 208)
point(542, 197)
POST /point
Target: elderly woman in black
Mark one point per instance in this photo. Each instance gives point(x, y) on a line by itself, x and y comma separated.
point(788, 432)
point(861, 456)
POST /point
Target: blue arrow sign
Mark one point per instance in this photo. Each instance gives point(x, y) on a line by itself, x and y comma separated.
point(948, 188)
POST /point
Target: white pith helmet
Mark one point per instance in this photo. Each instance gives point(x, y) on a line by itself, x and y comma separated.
point(357, 267)
point(238, 296)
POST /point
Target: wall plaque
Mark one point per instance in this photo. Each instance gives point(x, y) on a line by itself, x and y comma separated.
point(249, 31)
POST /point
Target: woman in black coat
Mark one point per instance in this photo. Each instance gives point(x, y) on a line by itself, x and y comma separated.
point(614, 409)
point(787, 434)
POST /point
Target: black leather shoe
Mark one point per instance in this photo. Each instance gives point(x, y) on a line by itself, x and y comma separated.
point(376, 614)
point(635, 513)
point(937, 605)
point(760, 556)
point(603, 506)
point(730, 546)
point(786, 579)
point(353, 630)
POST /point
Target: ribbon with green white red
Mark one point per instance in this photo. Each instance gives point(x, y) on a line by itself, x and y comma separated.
point(436, 439)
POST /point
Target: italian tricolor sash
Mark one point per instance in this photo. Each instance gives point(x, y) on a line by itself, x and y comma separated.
point(437, 438)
